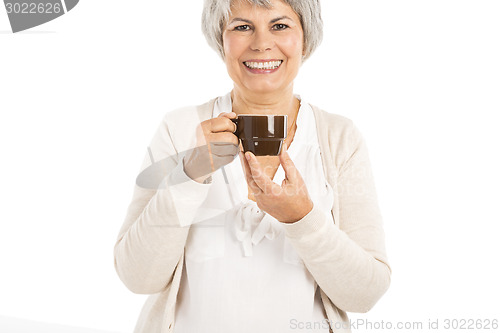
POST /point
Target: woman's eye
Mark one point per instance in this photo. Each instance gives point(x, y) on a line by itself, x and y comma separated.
point(242, 27)
point(280, 26)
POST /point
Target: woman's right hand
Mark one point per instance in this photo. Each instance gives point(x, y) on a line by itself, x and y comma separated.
point(216, 146)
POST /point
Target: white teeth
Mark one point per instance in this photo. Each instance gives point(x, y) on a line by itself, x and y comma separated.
point(263, 65)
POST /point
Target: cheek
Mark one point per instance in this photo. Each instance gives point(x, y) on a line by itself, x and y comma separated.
point(292, 46)
point(232, 47)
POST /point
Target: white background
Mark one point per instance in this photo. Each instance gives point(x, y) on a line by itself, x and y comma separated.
point(81, 96)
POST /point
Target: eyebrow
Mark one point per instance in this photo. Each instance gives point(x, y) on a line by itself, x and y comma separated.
point(272, 21)
point(239, 19)
point(281, 18)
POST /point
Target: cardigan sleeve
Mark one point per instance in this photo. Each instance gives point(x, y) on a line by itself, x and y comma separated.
point(347, 259)
point(157, 222)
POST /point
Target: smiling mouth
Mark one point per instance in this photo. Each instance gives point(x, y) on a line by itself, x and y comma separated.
point(263, 64)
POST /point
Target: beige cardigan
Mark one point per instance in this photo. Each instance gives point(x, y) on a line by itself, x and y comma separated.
point(347, 259)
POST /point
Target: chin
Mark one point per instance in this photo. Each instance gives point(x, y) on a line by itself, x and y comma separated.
point(264, 87)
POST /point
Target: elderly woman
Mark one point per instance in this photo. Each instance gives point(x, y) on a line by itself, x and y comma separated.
point(225, 241)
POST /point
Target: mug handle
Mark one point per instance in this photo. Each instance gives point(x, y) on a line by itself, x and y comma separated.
point(235, 121)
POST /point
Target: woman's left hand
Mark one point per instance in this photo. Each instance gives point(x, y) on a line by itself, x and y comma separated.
point(287, 203)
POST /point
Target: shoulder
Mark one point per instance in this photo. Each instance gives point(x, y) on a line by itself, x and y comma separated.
point(178, 126)
point(335, 126)
point(338, 137)
point(184, 119)
point(189, 115)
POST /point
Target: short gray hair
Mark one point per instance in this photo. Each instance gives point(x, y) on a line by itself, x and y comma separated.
point(216, 13)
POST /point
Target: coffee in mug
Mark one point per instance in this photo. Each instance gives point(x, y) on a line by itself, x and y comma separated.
point(263, 135)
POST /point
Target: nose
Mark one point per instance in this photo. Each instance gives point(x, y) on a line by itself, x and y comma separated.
point(262, 41)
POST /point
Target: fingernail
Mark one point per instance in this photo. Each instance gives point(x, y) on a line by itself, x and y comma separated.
point(247, 155)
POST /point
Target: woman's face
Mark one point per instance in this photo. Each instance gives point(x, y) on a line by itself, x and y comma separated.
point(263, 47)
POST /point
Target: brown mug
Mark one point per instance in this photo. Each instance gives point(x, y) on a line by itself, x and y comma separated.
point(263, 135)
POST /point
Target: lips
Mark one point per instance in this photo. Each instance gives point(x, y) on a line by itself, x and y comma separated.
point(263, 65)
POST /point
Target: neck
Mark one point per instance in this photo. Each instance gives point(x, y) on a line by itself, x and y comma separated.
point(282, 102)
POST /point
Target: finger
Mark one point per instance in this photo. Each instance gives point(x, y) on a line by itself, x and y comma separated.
point(244, 165)
point(224, 137)
point(230, 115)
point(291, 172)
point(263, 181)
point(222, 124)
point(224, 149)
point(248, 174)
point(220, 161)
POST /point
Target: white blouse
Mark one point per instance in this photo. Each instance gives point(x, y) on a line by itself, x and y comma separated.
point(241, 273)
